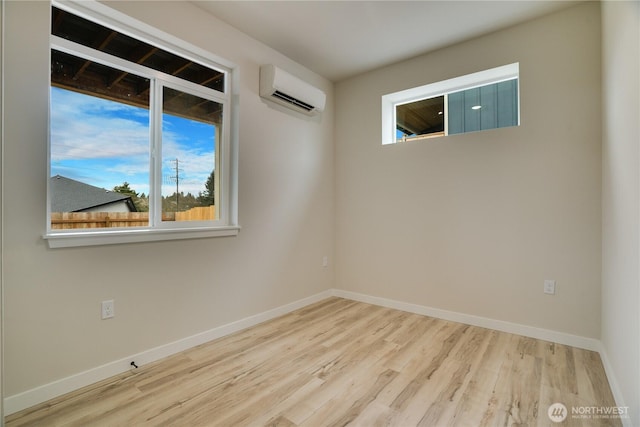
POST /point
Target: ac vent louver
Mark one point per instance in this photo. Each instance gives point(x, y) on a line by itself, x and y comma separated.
point(292, 100)
point(285, 89)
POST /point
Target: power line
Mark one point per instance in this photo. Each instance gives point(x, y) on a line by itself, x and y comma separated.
point(176, 178)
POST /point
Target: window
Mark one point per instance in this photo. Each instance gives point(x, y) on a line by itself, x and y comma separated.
point(479, 101)
point(140, 135)
point(420, 118)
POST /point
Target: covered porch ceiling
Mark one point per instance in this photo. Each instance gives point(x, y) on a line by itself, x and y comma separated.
point(81, 75)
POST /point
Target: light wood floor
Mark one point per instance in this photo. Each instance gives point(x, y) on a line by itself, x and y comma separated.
point(342, 362)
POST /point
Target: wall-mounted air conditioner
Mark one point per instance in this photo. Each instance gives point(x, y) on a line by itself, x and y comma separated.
point(281, 87)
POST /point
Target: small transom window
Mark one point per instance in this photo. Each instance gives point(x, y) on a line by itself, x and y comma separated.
point(480, 101)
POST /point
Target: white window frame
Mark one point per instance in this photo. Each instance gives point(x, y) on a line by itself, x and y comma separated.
point(226, 145)
point(432, 90)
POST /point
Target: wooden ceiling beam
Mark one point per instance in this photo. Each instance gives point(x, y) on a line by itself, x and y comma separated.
point(140, 60)
point(182, 68)
point(212, 79)
point(105, 41)
point(58, 20)
point(175, 72)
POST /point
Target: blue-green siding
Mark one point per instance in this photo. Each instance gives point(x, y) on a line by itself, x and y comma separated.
point(499, 107)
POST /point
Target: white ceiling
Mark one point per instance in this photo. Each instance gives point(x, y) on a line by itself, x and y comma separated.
point(339, 39)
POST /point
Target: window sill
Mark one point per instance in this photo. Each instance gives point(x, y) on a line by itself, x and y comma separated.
point(74, 239)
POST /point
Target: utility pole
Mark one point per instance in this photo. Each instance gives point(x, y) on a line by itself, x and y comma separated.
point(174, 177)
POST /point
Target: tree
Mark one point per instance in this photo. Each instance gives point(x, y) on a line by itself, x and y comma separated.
point(125, 189)
point(208, 197)
point(141, 202)
point(187, 201)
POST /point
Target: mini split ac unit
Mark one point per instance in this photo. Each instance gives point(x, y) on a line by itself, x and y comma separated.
point(281, 87)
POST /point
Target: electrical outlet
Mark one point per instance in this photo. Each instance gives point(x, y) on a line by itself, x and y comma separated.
point(550, 287)
point(325, 261)
point(108, 309)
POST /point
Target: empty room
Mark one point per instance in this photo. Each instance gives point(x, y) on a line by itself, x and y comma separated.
point(320, 213)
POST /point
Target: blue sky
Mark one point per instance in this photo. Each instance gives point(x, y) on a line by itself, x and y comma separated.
point(105, 143)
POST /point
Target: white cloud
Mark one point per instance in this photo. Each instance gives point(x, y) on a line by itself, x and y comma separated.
point(85, 127)
point(105, 143)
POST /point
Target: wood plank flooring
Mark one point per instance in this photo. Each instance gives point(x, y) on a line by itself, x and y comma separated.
point(340, 362)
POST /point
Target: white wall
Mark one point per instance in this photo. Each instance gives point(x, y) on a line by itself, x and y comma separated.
point(474, 223)
point(621, 199)
point(164, 291)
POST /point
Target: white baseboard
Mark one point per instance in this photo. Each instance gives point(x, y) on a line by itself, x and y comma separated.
point(484, 322)
point(57, 388)
point(45, 392)
point(613, 383)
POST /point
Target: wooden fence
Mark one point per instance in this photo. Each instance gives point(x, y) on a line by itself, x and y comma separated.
point(72, 220)
point(206, 213)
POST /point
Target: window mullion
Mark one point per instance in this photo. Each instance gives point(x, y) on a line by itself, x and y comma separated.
point(224, 173)
point(155, 210)
point(446, 114)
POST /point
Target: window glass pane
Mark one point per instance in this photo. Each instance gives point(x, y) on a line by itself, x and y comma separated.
point(455, 112)
point(481, 108)
point(191, 128)
point(489, 110)
point(99, 146)
point(507, 99)
point(95, 36)
point(420, 118)
point(472, 109)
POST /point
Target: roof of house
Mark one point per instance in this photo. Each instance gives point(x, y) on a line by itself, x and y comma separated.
point(69, 195)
